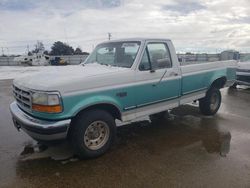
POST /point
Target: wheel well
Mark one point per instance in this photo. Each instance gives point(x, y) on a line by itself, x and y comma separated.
point(219, 83)
point(112, 109)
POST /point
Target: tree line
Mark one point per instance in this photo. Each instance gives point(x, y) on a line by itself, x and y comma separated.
point(58, 48)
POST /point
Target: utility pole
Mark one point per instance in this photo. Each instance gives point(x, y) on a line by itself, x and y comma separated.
point(8, 55)
point(2, 52)
point(28, 49)
point(8, 51)
point(109, 36)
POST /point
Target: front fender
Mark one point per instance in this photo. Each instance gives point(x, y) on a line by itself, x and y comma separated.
point(75, 104)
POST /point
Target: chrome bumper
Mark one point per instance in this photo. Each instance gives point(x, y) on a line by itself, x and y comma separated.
point(37, 128)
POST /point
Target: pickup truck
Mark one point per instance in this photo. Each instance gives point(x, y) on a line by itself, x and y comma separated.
point(120, 80)
point(243, 72)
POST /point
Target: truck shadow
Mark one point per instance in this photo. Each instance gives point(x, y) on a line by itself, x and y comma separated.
point(140, 146)
point(185, 127)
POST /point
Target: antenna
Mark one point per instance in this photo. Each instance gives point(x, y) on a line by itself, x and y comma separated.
point(109, 36)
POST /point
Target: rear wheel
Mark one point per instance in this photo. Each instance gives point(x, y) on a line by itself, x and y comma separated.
point(210, 104)
point(92, 133)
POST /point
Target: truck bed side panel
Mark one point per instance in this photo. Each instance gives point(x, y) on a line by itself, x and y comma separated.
point(198, 77)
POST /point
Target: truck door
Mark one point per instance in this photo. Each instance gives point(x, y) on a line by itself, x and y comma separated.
point(158, 77)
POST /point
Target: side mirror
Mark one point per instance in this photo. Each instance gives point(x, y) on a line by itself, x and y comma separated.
point(142, 67)
point(152, 70)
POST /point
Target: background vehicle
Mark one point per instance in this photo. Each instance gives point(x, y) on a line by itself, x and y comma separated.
point(243, 72)
point(58, 61)
point(122, 79)
point(36, 59)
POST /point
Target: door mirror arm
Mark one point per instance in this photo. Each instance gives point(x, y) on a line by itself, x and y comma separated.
point(152, 70)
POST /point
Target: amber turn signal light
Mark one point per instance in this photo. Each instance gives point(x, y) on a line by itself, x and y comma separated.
point(47, 108)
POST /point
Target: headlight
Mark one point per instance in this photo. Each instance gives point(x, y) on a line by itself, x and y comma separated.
point(46, 102)
point(40, 98)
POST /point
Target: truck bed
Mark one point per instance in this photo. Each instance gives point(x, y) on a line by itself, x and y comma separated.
point(197, 77)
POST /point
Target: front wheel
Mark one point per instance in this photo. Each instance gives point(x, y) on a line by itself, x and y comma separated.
point(210, 104)
point(92, 133)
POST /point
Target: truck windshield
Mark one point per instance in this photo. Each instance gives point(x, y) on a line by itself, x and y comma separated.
point(119, 54)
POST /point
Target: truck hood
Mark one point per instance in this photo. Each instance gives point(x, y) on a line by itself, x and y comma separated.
point(67, 78)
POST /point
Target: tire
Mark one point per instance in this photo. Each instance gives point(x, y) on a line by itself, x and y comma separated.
point(92, 133)
point(210, 104)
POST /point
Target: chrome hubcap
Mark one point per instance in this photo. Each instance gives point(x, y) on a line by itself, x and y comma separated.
point(214, 102)
point(96, 135)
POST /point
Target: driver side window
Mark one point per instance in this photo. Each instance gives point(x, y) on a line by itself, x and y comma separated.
point(156, 56)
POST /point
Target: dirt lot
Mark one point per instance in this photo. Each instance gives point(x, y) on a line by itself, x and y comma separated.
point(185, 150)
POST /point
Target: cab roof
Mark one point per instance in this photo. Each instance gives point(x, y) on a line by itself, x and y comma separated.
point(137, 39)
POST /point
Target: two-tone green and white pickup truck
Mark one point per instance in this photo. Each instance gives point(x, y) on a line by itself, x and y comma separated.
point(122, 79)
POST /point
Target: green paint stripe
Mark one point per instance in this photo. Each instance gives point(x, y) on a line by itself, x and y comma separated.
point(193, 91)
point(151, 103)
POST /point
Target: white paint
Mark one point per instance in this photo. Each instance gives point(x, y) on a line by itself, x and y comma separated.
point(207, 67)
point(67, 79)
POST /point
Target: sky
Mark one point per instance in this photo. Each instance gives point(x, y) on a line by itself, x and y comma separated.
point(193, 25)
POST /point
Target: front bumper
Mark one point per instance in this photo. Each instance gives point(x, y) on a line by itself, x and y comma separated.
point(39, 129)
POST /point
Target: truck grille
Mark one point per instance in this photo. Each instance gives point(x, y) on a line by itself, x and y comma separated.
point(23, 97)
